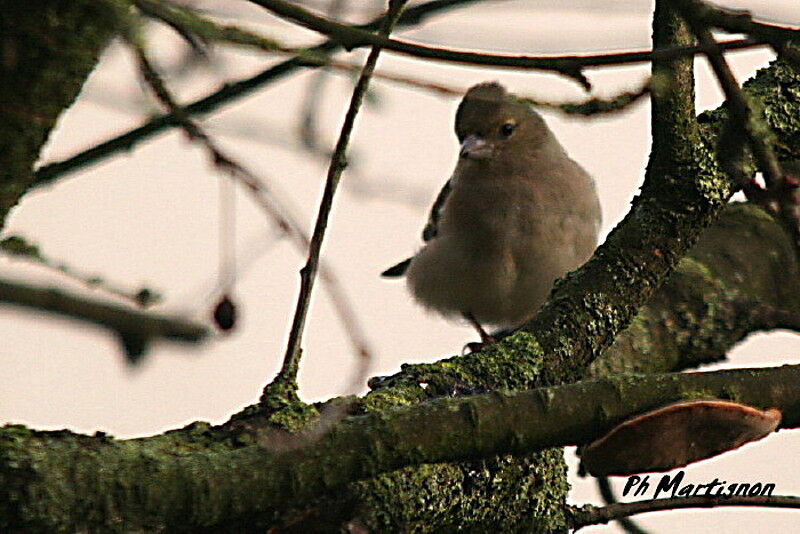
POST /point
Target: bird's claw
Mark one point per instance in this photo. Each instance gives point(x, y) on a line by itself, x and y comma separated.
point(478, 346)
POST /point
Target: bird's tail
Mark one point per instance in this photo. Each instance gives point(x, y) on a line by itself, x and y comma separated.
point(396, 271)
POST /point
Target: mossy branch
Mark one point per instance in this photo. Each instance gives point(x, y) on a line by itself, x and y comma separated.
point(52, 481)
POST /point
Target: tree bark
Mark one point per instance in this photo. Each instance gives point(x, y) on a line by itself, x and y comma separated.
point(60, 482)
point(47, 50)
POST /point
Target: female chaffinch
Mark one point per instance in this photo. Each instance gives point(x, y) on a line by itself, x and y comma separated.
point(517, 214)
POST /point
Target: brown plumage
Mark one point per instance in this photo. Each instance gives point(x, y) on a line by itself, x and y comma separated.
point(516, 215)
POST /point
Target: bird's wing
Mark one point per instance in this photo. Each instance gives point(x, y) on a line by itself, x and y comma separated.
point(430, 231)
point(396, 271)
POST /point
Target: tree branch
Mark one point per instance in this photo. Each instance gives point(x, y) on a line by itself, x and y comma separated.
point(291, 360)
point(227, 93)
point(592, 515)
point(191, 23)
point(18, 247)
point(737, 103)
point(48, 50)
point(718, 295)
point(607, 492)
point(673, 120)
point(257, 483)
point(351, 37)
point(127, 323)
point(738, 22)
point(312, 59)
point(681, 195)
point(758, 135)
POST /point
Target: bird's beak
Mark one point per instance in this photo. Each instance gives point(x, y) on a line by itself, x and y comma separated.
point(476, 147)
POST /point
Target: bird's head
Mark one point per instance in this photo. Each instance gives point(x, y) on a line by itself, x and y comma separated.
point(490, 122)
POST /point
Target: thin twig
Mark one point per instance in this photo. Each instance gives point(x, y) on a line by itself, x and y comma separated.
point(607, 492)
point(353, 36)
point(597, 105)
point(281, 213)
point(119, 319)
point(230, 91)
point(288, 372)
point(189, 21)
point(737, 21)
point(18, 248)
point(268, 202)
point(50, 172)
point(593, 515)
point(309, 130)
point(189, 24)
point(591, 106)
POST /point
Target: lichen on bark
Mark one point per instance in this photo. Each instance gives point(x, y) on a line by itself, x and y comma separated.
point(62, 482)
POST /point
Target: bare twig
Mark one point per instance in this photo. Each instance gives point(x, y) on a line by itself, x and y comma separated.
point(227, 93)
point(189, 23)
point(591, 106)
point(737, 21)
point(119, 319)
point(268, 202)
point(309, 134)
point(607, 492)
point(232, 91)
point(592, 515)
point(353, 36)
point(17, 247)
point(597, 105)
point(288, 372)
point(281, 213)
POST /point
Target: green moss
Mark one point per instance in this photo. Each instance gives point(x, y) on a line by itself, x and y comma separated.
point(751, 211)
point(699, 395)
point(501, 494)
point(514, 363)
point(294, 417)
point(384, 399)
point(731, 392)
point(693, 268)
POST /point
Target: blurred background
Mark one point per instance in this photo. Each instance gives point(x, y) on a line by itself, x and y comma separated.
point(150, 217)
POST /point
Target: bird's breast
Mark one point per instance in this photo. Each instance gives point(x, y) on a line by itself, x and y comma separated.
point(490, 212)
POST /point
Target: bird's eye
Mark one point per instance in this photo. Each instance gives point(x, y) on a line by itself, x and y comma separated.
point(507, 129)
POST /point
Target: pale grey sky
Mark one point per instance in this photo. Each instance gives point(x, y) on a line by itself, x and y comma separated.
point(149, 216)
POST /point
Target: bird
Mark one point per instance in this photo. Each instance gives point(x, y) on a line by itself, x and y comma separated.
point(516, 214)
